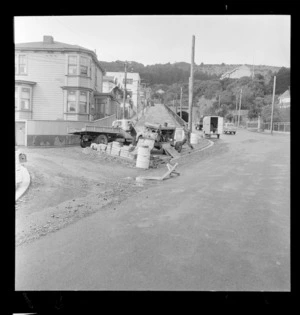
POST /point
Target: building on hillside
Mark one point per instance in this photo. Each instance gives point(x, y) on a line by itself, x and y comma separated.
point(133, 88)
point(237, 73)
point(285, 99)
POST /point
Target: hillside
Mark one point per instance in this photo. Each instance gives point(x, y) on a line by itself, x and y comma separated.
point(179, 72)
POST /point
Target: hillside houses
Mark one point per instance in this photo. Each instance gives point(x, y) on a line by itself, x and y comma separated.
point(285, 99)
point(237, 73)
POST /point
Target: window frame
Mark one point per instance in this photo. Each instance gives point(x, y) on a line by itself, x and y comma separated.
point(18, 101)
point(86, 102)
point(86, 66)
point(72, 64)
point(18, 64)
point(128, 81)
point(75, 94)
point(77, 101)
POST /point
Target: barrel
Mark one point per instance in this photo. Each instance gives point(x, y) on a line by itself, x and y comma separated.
point(143, 150)
point(179, 134)
point(143, 157)
point(194, 138)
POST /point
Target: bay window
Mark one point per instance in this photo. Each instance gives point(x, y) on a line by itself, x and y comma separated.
point(84, 63)
point(83, 102)
point(72, 65)
point(25, 98)
point(71, 101)
point(16, 97)
point(77, 101)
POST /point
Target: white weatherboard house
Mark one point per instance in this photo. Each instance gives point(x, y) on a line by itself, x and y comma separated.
point(285, 99)
point(237, 73)
point(56, 82)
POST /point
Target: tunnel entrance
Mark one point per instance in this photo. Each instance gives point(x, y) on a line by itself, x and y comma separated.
point(185, 116)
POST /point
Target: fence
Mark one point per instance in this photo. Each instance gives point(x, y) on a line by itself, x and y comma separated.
point(277, 126)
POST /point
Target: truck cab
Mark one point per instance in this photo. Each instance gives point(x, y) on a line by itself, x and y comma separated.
point(124, 124)
point(212, 125)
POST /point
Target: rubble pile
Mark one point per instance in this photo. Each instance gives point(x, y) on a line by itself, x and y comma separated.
point(125, 154)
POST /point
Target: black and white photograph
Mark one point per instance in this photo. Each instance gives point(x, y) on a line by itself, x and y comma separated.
point(152, 153)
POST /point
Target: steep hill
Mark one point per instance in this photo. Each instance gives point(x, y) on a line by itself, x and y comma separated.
point(179, 72)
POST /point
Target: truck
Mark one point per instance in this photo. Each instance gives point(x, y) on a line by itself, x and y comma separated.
point(229, 128)
point(120, 131)
point(212, 125)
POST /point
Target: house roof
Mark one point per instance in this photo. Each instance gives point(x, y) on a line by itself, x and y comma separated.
point(286, 94)
point(43, 45)
point(235, 69)
point(56, 46)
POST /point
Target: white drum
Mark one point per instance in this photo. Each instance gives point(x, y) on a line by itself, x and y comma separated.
point(194, 138)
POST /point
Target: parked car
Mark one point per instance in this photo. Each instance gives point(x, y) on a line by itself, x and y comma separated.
point(199, 125)
point(229, 128)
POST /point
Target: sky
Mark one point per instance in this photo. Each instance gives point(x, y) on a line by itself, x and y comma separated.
point(232, 39)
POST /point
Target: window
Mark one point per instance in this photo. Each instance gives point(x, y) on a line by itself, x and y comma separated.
point(71, 101)
point(16, 97)
point(128, 81)
point(25, 98)
point(84, 62)
point(83, 103)
point(20, 64)
point(72, 65)
point(16, 64)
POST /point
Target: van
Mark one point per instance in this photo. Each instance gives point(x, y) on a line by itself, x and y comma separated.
point(212, 125)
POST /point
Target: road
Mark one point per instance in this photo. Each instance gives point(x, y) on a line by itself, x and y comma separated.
point(222, 225)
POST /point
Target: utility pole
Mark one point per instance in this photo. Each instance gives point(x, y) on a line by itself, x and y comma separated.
point(236, 107)
point(191, 84)
point(181, 102)
point(219, 100)
point(124, 97)
point(274, 85)
point(240, 107)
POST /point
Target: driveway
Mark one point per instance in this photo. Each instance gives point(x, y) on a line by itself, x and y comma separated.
point(223, 224)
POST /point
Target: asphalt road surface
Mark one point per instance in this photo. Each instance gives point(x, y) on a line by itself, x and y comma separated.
point(222, 225)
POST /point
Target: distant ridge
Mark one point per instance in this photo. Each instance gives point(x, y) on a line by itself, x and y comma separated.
point(179, 71)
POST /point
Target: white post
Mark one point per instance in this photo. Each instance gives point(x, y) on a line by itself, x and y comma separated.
point(274, 85)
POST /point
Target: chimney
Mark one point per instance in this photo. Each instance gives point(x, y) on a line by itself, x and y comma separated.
point(48, 39)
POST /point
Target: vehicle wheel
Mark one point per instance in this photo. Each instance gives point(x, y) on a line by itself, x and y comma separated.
point(84, 144)
point(218, 136)
point(178, 147)
point(101, 139)
point(234, 133)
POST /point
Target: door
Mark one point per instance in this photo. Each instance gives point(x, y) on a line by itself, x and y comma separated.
point(206, 124)
point(220, 125)
point(20, 133)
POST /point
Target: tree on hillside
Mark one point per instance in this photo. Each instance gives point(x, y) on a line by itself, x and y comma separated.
point(255, 108)
point(282, 81)
point(267, 112)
